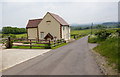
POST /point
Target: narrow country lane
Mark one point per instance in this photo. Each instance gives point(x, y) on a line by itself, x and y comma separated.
point(72, 59)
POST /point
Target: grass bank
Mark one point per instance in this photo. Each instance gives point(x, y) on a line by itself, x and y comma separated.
point(109, 50)
point(108, 46)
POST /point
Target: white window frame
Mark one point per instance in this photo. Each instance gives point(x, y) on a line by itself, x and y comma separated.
point(41, 35)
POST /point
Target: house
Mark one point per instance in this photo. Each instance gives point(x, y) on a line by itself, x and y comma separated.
point(51, 26)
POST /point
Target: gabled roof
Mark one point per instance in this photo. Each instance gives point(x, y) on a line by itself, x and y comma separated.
point(48, 36)
point(59, 19)
point(33, 23)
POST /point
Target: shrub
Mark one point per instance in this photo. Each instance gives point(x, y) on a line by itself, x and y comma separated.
point(102, 35)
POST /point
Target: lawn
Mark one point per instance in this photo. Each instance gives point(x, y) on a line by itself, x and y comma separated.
point(20, 35)
point(28, 47)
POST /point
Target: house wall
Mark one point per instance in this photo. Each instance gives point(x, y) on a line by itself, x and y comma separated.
point(66, 32)
point(52, 27)
point(32, 33)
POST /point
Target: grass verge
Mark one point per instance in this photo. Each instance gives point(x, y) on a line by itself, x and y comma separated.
point(109, 50)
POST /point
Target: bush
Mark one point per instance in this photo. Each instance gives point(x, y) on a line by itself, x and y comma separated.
point(92, 39)
point(102, 34)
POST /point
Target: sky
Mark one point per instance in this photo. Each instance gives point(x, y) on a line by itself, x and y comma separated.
point(16, 13)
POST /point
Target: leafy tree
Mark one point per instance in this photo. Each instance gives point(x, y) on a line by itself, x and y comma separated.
point(13, 30)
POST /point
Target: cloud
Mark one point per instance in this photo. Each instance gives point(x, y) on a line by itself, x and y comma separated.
point(60, 0)
point(18, 13)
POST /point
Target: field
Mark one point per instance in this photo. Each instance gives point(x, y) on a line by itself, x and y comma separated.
point(87, 31)
point(21, 35)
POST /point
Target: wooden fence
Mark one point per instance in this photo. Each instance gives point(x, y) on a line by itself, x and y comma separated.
point(31, 43)
point(47, 44)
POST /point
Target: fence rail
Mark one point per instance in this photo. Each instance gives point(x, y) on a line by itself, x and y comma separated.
point(35, 43)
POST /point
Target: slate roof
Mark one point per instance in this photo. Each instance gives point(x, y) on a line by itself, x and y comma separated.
point(33, 23)
point(59, 19)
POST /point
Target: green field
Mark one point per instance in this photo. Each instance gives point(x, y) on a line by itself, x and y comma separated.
point(87, 31)
point(20, 35)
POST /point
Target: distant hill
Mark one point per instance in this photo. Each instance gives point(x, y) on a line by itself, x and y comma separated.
point(104, 23)
point(88, 26)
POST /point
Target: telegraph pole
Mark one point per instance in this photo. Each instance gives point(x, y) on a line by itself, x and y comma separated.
point(91, 28)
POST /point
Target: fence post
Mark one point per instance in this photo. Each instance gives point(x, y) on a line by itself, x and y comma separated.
point(9, 43)
point(49, 44)
point(74, 37)
point(54, 43)
point(30, 44)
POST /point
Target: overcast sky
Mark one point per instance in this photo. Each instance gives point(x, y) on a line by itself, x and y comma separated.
point(15, 13)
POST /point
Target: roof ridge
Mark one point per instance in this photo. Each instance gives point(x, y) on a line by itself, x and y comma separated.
point(59, 19)
point(36, 19)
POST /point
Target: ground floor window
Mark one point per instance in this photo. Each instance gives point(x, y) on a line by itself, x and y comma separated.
point(42, 35)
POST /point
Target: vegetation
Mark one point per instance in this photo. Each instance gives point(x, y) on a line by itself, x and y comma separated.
point(109, 49)
point(108, 45)
point(95, 26)
point(13, 30)
point(28, 47)
point(14, 35)
point(82, 32)
point(59, 46)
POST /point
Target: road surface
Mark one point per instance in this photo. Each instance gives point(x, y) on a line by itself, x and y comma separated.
point(72, 59)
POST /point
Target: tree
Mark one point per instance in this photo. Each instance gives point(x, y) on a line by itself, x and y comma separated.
point(13, 30)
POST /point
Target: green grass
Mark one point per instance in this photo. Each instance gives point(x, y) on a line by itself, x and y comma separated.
point(0, 34)
point(28, 47)
point(109, 49)
point(20, 35)
point(59, 46)
point(87, 31)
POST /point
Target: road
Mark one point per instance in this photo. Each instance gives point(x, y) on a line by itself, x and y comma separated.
point(72, 59)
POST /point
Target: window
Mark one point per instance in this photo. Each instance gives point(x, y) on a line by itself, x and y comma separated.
point(63, 28)
point(48, 22)
point(42, 35)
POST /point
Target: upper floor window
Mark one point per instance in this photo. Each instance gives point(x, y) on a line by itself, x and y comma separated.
point(48, 22)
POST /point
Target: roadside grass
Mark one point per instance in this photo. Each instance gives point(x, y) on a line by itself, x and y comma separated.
point(59, 45)
point(0, 34)
point(109, 49)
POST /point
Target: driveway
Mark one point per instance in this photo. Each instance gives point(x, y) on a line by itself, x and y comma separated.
point(12, 57)
point(72, 59)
